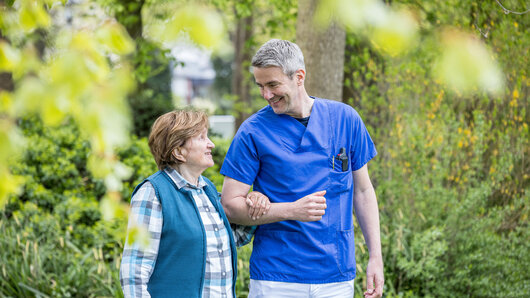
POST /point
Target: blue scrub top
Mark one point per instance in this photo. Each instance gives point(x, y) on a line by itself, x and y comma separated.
point(286, 161)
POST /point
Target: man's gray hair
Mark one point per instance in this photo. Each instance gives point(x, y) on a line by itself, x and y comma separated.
point(281, 53)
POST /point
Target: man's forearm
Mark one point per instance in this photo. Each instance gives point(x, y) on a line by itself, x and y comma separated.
point(237, 212)
point(367, 213)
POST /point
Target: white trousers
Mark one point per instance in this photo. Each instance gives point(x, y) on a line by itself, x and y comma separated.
point(276, 289)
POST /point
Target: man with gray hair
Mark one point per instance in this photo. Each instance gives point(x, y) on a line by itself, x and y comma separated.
point(309, 156)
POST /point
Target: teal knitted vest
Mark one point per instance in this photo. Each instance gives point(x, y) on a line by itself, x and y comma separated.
point(180, 265)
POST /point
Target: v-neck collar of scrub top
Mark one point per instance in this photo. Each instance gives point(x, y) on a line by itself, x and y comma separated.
point(316, 135)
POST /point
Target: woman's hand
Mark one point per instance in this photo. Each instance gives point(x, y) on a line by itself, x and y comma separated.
point(258, 204)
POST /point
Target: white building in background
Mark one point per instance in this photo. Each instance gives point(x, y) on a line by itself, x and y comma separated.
point(193, 73)
point(223, 125)
point(191, 77)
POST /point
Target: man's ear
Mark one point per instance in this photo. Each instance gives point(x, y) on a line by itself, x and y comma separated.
point(300, 77)
point(177, 154)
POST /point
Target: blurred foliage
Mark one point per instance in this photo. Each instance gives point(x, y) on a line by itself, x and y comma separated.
point(153, 97)
point(243, 270)
point(83, 72)
point(56, 241)
point(452, 177)
point(65, 71)
point(464, 63)
point(151, 62)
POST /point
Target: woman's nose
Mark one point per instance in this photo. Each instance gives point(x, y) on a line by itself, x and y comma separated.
point(210, 143)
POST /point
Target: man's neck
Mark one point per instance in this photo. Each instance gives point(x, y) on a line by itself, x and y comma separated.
point(306, 105)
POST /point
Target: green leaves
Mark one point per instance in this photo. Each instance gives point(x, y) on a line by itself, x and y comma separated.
point(140, 235)
point(395, 34)
point(85, 76)
point(115, 39)
point(32, 15)
point(464, 63)
point(203, 26)
point(467, 65)
point(391, 31)
point(9, 57)
point(76, 78)
point(12, 142)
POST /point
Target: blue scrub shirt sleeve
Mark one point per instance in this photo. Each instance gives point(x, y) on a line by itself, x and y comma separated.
point(241, 162)
point(363, 148)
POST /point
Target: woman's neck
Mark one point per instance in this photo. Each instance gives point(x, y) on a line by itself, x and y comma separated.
point(191, 175)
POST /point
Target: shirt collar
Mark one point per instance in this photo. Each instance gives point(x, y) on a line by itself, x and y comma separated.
point(181, 182)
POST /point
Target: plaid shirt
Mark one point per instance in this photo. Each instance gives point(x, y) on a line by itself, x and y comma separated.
point(137, 264)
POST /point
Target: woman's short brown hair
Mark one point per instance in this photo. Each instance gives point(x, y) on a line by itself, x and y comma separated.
point(171, 131)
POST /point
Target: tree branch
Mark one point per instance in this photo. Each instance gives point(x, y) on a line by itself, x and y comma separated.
point(507, 11)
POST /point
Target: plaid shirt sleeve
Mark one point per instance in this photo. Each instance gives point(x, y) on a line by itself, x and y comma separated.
point(138, 262)
point(242, 234)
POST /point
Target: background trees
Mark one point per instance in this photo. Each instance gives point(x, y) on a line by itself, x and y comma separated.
point(452, 174)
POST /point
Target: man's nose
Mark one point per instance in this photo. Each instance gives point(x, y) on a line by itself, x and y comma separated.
point(267, 94)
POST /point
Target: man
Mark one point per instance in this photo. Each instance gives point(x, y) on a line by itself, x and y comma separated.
point(308, 155)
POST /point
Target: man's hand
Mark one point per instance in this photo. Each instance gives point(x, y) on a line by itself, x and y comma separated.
point(258, 203)
point(309, 208)
point(374, 274)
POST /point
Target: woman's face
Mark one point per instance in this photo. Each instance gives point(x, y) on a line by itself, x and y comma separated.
point(197, 151)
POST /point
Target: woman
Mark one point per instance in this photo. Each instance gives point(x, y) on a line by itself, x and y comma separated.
point(192, 251)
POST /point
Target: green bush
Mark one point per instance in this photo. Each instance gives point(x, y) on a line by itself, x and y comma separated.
point(55, 242)
point(243, 274)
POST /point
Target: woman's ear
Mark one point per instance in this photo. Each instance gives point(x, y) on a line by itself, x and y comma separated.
point(177, 154)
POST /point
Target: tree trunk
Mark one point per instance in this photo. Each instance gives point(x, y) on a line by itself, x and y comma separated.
point(323, 50)
point(240, 78)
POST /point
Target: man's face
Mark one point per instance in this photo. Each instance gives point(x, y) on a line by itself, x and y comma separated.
point(280, 91)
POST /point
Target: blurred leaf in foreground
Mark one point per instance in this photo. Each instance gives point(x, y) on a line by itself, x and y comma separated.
point(32, 15)
point(467, 65)
point(11, 142)
point(138, 235)
point(9, 57)
point(203, 25)
point(115, 38)
point(391, 31)
point(395, 34)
